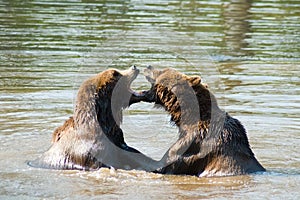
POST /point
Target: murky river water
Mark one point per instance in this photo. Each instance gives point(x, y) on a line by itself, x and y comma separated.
point(247, 51)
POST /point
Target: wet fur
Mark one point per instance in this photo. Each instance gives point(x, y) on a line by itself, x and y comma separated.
point(92, 138)
point(211, 142)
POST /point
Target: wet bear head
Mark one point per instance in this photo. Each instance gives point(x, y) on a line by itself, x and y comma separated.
point(185, 97)
point(105, 95)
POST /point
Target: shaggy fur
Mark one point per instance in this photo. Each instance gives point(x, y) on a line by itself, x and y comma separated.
point(211, 142)
point(92, 138)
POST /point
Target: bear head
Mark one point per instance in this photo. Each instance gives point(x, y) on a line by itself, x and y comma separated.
point(100, 100)
point(105, 94)
point(185, 97)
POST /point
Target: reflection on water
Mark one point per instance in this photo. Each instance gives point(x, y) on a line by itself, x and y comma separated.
point(247, 51)
point(237, 26)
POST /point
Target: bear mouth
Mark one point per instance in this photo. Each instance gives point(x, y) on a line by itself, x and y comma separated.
point(132, 74)
point(149, 74)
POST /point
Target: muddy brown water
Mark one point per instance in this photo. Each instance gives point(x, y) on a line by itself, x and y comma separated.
point(247, 51)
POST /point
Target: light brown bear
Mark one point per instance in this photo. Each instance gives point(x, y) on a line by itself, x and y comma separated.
point(211, 142)
point(92, 138)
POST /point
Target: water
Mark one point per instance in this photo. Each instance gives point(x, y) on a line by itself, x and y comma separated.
point(247, 51)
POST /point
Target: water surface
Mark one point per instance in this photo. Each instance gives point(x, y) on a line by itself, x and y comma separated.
point(247, 51)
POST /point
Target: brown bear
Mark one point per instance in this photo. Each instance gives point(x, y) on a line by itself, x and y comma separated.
point(92, 138)
point(211, 142)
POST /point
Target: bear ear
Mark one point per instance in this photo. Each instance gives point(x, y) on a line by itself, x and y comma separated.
point(116, 73)
point(205, 85)
point(194, 80)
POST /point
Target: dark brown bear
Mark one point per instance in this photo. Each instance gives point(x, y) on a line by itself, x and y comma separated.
point(211, 142)
point(92, 138)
